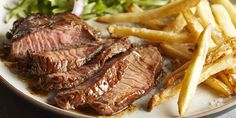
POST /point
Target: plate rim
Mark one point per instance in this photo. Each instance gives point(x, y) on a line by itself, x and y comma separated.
point(40, 104)
point(212, 112)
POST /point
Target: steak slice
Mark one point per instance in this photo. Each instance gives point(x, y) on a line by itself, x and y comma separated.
point(75, 77)
point(144, 61)
point(61, 61)
point(38, 33)
point(136, 80)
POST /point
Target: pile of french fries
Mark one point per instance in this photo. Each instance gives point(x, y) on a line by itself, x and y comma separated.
point(199, 33)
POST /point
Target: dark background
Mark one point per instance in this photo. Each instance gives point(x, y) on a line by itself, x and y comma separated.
point(13, 106)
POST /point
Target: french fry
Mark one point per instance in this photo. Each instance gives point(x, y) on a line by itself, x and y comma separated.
point(218, 59)
point(231, 70)
point(167, 10)
point(153, 36)
point(209, 70)
point(225, 79)
point(231, 79)
point(177, 25)
point(177, 52)
point(205, 13)
point(212, 66)
point(180, 52)
point(225, 49)
point(218, 66)
point(211, 82)
point(193, 73)
point(193, 25)
point(229, 7)
point(224, 20)
point(163, 96)
point(218, 86)
point(156, 24)
point(133, 8)
point(174, 76)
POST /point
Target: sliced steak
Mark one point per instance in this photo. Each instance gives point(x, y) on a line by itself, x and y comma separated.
point(142, 63)
point(63, 60)
point(136, 80)
point(75, 77)
point(38, 33)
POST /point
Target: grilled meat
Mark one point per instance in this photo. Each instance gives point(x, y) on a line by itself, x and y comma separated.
point(75, 77)
point(135, 70)
point(38, 33)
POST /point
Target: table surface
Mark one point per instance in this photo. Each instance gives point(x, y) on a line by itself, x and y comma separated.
point(13, 106)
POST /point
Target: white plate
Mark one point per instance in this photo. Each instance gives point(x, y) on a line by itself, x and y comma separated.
point(200, 105)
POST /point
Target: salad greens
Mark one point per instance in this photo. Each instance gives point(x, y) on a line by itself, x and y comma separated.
point(92, 8)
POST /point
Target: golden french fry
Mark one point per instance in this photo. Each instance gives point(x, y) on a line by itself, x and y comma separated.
point(205, 13)
point(231, 70)
point(193, 73)
point(213, 65)
point(152, 24)
point(225, 49)
point(177, 25)
point(211, 82)
point(229, 7)
point(167, 10)
point(177, 74)
point(175, 51)
point(218, 86)
point(220, 58)
point(193, 10)
point(134, 8)
point(217, 67)
point(163, 96)
point(225, 79)
point(220, 65)
point(153, 36)
point(231, 78)
point(224, 20)
point(193, 25)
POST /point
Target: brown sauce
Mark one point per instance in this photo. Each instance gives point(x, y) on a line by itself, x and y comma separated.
point(130, 109)
point(33, 88)
point(86, 111)
point(91, 112)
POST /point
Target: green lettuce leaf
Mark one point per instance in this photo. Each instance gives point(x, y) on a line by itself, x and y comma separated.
point(92, 8)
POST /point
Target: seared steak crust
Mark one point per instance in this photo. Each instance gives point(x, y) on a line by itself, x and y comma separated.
point(63, 60)
point(137, 79)
point(75, 77)
point(38, 33)
point(122, 71)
